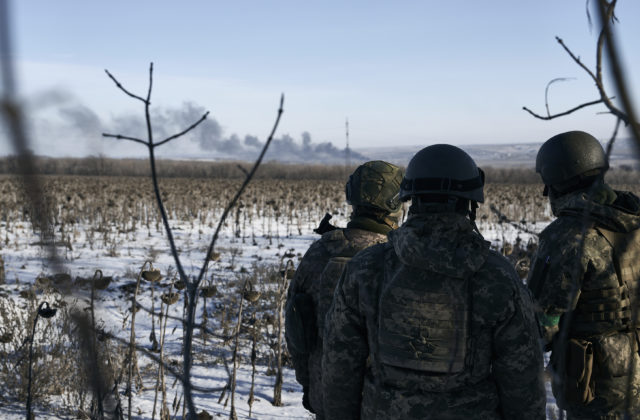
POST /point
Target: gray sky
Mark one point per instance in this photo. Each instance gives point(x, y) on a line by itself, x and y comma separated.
point(404, 72)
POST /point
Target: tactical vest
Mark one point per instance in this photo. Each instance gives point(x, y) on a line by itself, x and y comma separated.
point(342, 248)
point(423, 323)
point(328, 281)
point(614, 305)
point(299, 319)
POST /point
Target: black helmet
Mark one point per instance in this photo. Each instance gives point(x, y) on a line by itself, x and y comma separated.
point(443, 169)
point(568, 156)
point(375, 184)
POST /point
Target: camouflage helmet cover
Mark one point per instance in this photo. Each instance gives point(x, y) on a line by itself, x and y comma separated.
point(568, 155)
point(375, 184)
point(443, 169)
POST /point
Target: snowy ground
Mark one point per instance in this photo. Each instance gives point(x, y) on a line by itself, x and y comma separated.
point(122, 256)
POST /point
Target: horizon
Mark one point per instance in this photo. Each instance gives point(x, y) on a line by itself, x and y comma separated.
point(498, 155)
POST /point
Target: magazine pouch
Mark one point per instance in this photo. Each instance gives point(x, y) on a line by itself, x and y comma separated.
point(578, 386)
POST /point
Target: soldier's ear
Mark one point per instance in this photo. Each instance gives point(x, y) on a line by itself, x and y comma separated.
point(545, 192)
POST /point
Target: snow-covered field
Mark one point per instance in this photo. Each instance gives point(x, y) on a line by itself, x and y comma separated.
point(122, 255)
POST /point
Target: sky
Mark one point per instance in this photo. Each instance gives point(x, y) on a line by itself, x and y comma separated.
point(403, 73)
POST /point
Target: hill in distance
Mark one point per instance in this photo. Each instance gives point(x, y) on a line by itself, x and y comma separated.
point(499, 155)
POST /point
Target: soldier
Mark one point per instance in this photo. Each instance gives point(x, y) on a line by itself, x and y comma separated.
point(584, 279)
point(373, 191)
point(433, 324)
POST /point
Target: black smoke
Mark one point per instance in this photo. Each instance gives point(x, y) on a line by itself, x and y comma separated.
point(209, 136)
point(68, 120)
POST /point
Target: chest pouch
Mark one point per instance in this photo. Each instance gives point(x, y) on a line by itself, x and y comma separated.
point(423, 321)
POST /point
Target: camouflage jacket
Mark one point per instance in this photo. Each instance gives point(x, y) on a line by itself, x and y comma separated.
point(339, 242)
point(567, 268)
point(495, 369)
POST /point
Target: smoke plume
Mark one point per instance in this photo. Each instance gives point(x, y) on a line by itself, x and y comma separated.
point(66, 126)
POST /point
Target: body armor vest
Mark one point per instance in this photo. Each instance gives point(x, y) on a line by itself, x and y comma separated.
point(615, 305)
point(423, 321)
point(328, 281)
point(342, 245)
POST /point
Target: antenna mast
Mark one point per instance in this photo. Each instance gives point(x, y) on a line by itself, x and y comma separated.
point(347, 150)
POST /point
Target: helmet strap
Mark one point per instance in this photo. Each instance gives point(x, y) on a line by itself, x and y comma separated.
point(472, 212)
point(580, 182)
point(472, 217)
point(475, 228)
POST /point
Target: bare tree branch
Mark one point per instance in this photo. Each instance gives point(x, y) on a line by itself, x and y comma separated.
point(192, 287)
point(596, 77)
point(191, 127)
point(154, 178)
point(629, 116)
point(588, 15)
point(562, 114)
point(244, 171)
point(121, 137)
point(577, 59)
point(152, 162)
point(119, 85)
point(609, 148)
point(241, 190)
point(546, 90)
point(148, 101)
point(604, 11)
point(12, 113)
point(608, 18)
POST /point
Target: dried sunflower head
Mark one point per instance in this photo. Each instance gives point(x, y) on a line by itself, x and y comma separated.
point(45, 311)
point(152, 275)
point(170, 298)
point(208, 291)
point(251, 295)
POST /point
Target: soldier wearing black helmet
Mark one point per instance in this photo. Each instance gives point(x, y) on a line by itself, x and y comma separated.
point(584, 279)
point(433, 324)
point(372, 190)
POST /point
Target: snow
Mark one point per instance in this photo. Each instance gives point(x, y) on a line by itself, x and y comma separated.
point(122, 255)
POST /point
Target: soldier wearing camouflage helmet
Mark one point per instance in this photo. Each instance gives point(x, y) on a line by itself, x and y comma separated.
point(373, 192)
point(433, 324)
point(584, 278)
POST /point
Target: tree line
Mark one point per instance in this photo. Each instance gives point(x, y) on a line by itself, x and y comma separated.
point(167, 168)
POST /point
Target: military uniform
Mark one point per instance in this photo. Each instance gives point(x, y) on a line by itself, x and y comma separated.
point(372, 190)
point(599, 285)
point(432, 325)
point(340, 243)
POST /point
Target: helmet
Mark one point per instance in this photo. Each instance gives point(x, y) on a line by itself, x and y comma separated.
point(569, 155)
point(375, 184)
point(443, 169)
